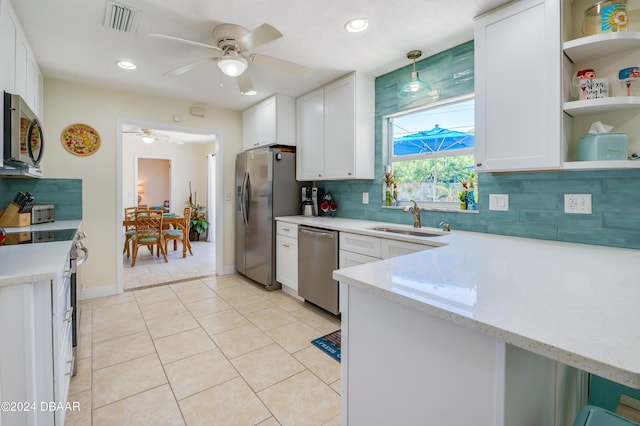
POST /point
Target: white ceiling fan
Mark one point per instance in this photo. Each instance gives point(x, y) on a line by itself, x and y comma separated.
point(150, 136)
point(232, 46)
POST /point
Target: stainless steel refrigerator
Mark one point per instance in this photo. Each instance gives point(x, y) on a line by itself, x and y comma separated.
point(266, 187)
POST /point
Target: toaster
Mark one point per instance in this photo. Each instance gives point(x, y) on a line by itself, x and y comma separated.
point(42, 213)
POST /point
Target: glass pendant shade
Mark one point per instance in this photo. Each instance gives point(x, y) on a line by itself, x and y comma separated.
point(415, 87)
point(232, 64)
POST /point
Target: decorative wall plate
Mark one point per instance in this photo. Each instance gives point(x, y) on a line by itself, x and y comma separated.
point(80, 139)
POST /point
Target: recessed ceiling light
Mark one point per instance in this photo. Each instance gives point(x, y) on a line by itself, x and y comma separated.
point(126, 65)
point(356, 25)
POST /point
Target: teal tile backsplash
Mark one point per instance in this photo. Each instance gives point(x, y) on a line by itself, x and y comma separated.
point(536, 200)
point(64, 194)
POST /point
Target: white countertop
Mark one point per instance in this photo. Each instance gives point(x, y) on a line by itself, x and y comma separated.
point(24, 263)
point(575, 303)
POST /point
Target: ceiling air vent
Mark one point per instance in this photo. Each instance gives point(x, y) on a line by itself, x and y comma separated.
point(120, 17)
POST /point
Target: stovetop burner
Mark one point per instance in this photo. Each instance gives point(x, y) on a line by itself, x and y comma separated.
point(34, 237)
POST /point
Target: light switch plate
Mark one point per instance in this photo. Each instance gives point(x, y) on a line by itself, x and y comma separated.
point(365, 198)
point(499, 202)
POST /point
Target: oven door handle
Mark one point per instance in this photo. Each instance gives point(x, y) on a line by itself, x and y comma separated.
point(82, 259)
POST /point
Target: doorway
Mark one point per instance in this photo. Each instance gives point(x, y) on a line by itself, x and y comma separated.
point(192, 157)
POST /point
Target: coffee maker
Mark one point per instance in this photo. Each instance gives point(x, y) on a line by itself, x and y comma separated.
point(313, 196)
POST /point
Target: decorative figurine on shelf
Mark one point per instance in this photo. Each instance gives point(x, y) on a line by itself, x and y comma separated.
point(389, 181)
point(580, 80)
point(628, 76)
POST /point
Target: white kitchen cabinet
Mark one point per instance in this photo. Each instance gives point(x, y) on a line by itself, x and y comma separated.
point(518, 88)
point(287, 255)
point(335, 130)
point(270, 122)
point(356, 249)
point(20, 73)
point(37, 361)
point(448, 374)
point(310, 135)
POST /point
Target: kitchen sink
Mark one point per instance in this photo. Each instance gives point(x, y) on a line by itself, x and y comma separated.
point(415, 232)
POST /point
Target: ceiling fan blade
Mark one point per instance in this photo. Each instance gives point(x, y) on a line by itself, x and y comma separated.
point(281, 64)
point(182, 40)
point(261, 35)
point(189, 67)
point(244, 84)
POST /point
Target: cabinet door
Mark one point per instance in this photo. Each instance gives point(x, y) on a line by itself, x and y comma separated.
point(310, 134)
point(348, 258)
point(8, 31)
point(393, 248)
point(250, 125)
point(518, 87)
point(339, 129)
point(287, 261)
point(267, 122)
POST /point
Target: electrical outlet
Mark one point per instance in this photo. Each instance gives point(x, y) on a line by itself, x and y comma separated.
point(499, 202)
point(577, 203)
point(365, 198)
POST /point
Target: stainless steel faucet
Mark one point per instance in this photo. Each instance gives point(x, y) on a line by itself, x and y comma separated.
point(445, 226)
point(415, 210)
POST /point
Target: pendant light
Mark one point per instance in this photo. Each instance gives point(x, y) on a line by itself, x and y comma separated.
point(415, 88)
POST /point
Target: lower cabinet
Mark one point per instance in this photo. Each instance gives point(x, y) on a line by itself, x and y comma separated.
point(356, 249)
point(403, 366)
point(287, 255)
point(36, 361)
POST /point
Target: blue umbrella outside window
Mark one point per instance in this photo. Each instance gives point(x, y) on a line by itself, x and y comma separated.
point(435, 140)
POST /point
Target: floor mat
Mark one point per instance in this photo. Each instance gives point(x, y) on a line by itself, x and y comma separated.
point(329, 344)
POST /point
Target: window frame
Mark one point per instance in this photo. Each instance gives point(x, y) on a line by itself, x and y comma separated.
point(388, 157)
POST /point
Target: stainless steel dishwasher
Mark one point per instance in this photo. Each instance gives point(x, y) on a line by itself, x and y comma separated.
point(317, 259)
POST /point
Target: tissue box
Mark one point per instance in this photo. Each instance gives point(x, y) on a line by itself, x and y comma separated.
point(603, 146)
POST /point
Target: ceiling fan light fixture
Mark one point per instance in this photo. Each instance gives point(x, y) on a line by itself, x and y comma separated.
point(356, 25)
point(232, 64)
point(251, 92)
point(416, 88)
point(147, 138)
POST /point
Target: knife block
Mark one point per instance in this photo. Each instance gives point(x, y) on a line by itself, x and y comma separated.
point(11, 217)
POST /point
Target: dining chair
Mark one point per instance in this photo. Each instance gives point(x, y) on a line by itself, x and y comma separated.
point(129, 230)
point(179, 233)
point(148, 232)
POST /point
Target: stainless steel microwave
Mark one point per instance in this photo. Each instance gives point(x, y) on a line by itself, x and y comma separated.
point(23, 139)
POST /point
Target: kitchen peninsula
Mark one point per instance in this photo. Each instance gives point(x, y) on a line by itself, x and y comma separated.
point(486, 329)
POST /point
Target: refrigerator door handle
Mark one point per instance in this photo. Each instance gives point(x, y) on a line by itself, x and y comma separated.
point(248, 198)
point(243, 196)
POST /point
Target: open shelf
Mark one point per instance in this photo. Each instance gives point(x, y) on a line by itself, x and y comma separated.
point(600, 105)
point(599, 45)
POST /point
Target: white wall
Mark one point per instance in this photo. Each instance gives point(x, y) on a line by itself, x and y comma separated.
point(67, 103)
point(154, 180)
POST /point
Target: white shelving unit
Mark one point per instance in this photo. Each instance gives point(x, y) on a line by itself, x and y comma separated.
point(606, 53)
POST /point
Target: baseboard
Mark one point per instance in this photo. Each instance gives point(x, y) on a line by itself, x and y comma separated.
point(92, 293)
point(291, 292)
point(229, 269)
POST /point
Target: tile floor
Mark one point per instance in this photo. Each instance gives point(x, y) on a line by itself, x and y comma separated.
point(214, 351)
point(151, 269)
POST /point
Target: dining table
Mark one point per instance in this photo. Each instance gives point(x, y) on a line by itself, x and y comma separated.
point(177, 221)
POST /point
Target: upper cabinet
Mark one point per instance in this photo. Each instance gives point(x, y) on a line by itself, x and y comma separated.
point(335, 130)
point(270, 122)
point(19, 71)
point(528, 112)
point(518, 87)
